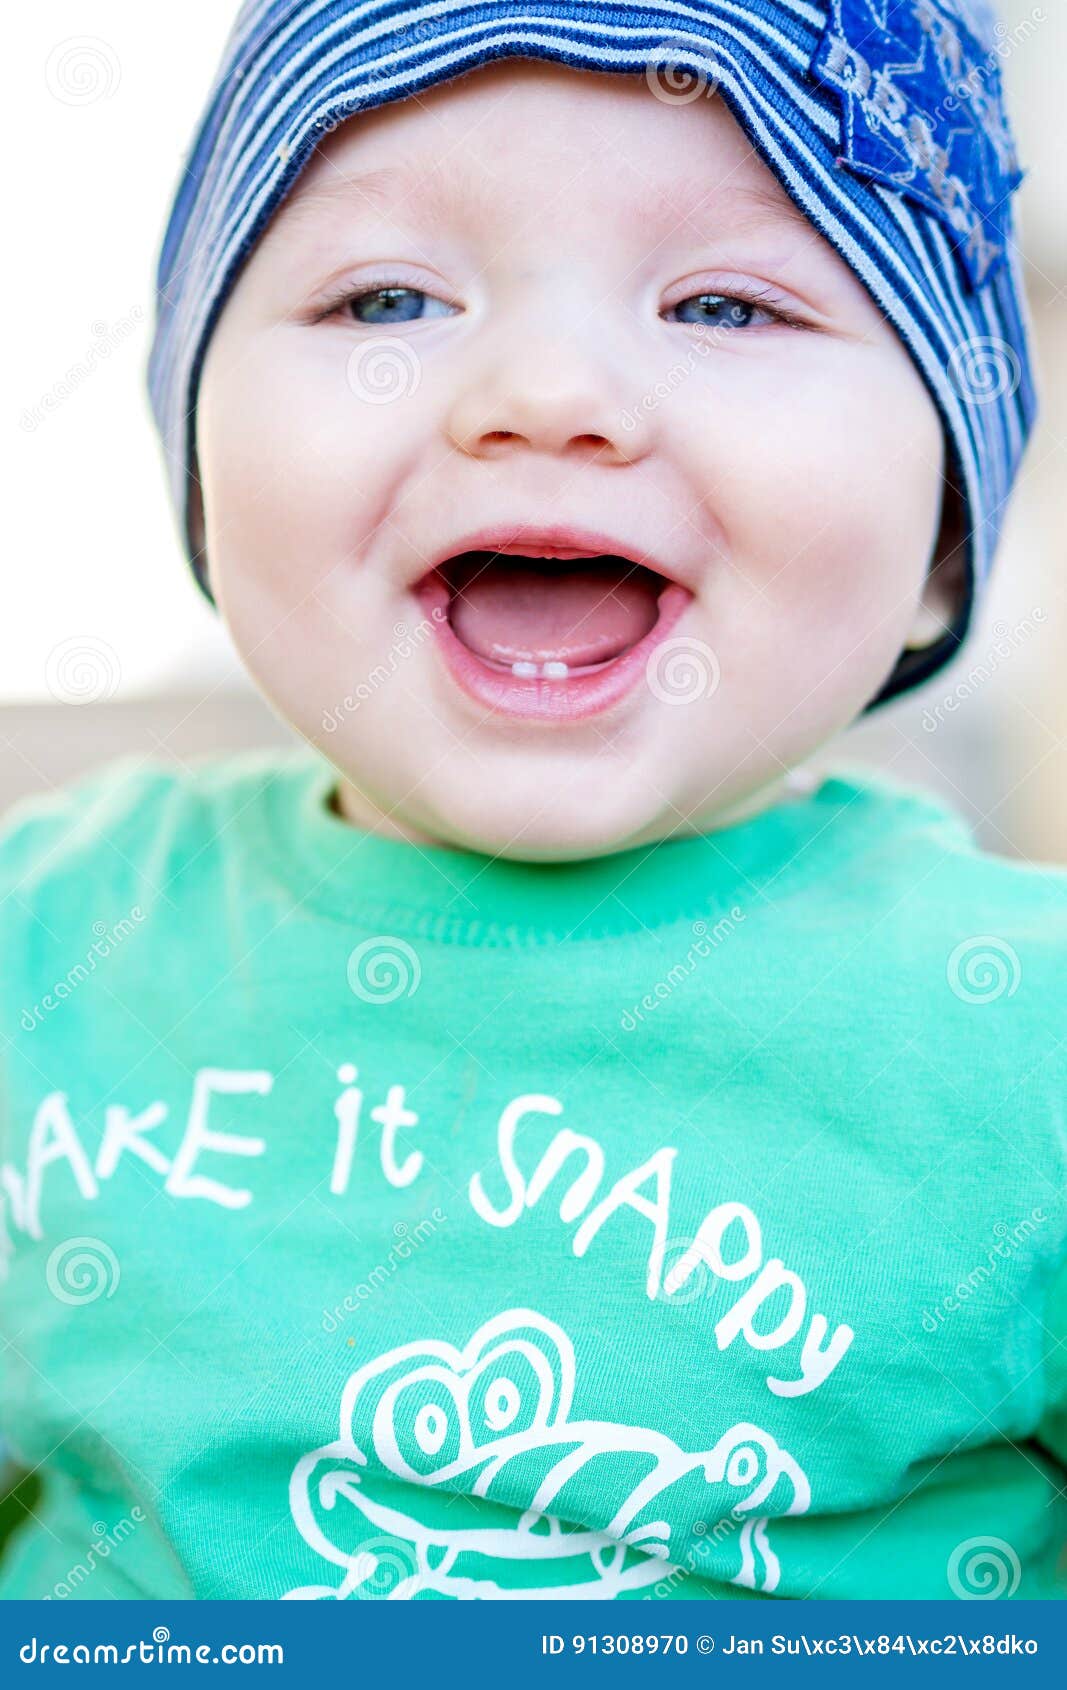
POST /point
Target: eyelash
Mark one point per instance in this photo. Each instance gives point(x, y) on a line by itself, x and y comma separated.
point(763, 299)
point(346, 294)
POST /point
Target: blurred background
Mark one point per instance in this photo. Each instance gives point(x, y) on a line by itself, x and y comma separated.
point(111, 649)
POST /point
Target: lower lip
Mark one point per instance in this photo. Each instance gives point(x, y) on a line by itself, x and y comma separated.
point(568, 699)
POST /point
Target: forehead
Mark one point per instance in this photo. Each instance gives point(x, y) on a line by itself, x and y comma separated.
point(460, 148)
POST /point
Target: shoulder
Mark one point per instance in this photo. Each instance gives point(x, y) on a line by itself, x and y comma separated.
point(936, 971)
point(942, 937)
point(922, 851)
point(135, 821)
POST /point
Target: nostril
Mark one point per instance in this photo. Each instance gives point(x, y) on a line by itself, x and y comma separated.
point(499, 436)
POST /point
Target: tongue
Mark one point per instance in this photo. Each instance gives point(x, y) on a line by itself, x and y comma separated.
point(539, 611)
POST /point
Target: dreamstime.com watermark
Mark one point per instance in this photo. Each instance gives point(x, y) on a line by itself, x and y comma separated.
point(107, 939)
point(81, 1270)
point(1009, 1240)
point(705, 939)
point(700, 1554)
point(405, 643)
point(107, 338)
point(983, 1569)
point(707, 338)
point(82, 670)
point(970, 88)
point(1008, 637)
point(159, 1651)
point(671, 77)
point(381, 371)
point(381, 1567)
point(984, 369)
point(82, 70)
point(384, 968)
point(409, 1240)
point(983, 969)
point(106, 1539)
point(683, 670)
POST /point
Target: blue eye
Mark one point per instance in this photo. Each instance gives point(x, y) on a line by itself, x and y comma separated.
point(385, 305)
point(720, 311)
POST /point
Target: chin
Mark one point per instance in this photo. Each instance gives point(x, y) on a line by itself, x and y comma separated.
point(543, 822)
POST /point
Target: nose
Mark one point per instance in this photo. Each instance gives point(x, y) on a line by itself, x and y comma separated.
point(545, 393)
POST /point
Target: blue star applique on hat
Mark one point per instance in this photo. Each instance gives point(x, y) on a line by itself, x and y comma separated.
point(922, 112)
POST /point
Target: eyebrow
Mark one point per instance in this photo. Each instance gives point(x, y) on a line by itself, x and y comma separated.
point(744, 208)
point(381, 190)
point(782, 206)
point(741, 209)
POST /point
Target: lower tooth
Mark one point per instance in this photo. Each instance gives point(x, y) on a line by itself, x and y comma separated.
point(525, 671)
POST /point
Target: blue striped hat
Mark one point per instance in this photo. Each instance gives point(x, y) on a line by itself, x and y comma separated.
point(883, 119)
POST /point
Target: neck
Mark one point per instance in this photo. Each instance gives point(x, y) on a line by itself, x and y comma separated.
point(360, 811)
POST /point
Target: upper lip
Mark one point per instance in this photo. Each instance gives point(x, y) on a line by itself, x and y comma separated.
point(533, 539)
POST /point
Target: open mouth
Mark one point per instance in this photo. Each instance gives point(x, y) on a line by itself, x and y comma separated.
point(556, 632)
point(550, 617)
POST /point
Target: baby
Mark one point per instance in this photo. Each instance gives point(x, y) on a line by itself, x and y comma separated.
point(534, 1139)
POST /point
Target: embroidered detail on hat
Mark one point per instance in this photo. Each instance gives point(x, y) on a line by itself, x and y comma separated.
point(922, 111)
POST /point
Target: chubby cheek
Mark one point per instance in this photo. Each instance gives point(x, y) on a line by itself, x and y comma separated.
point(295, 475)
point(828, 502)
point(298, 469)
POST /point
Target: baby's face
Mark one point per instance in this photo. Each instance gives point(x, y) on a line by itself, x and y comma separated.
point(561, 483)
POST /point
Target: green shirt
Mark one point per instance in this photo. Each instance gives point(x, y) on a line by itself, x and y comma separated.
point(381, 1220)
